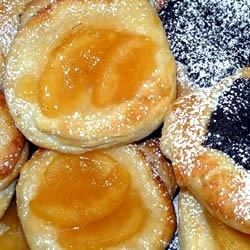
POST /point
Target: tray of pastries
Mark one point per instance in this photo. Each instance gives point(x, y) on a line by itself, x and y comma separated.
point(124, 124)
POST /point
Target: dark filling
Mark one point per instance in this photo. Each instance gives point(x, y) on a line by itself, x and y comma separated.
point(229, 127)
point(211, 38)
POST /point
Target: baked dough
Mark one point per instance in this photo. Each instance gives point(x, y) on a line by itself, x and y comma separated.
point(13, 148)
point(11, 233)
point(158, 4)
point(159, 223)
point(10, 10)
point(34, 6)
point(1, 67)
point(5, 197)
point(70, 119)
point(199, 230)
point(150, 149)
point(218, 176)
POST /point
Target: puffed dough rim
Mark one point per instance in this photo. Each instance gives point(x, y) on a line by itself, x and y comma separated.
point(6, 197)
point(211, 176)
point(50, 133)
point(41, 236)
point(14, 149)
point(16, 170)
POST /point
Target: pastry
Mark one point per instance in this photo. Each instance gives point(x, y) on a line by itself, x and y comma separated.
point(206, 135)
point(199, 230)
point(13, 148)
point(13, 154)
point(105, 77)
point(150, 149)
point(1, 67)
point(112, 199)
point(32, 8)
point(11, 233)
point(10, 11)
point(158, 4)
point(9, 21)
point(209, 39)
point(5, 198)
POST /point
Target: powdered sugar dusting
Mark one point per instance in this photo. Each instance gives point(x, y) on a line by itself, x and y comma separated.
point(9, 21)
point(210, 37)
point(229, 128)
point(184, 133)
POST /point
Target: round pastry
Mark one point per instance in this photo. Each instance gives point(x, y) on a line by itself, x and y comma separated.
point(209, 39)
point(5, 197)
point(11, 233)
point(9, 21)
point(13, 149)
point(112, 199)
point(102, 75)
point(199, 230)
point(208, 140)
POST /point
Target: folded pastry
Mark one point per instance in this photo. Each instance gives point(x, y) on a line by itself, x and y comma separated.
point(94, 74)
point(207, 138)
point(112, 199)
point(11, 233)
point(199, 230)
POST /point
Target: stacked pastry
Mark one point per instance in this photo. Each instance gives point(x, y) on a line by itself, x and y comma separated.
point(80, 87)
point(87, 83)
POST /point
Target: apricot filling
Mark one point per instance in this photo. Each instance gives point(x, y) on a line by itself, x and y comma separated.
point(90, 200)
point(11, 233)
point(103, 66)
point(226, 237)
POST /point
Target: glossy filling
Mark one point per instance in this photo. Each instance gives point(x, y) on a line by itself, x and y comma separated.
point(12, 236)
point(101, 67)
point(229, 127)
point(89, 198)
point(226, 237)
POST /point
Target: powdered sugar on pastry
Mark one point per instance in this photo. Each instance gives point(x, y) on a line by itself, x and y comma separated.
point(214, 175)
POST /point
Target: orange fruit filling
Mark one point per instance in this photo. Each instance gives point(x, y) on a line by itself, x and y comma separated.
point(100, 67)
point(12, 236)
point(226, 237)
point(90, 200)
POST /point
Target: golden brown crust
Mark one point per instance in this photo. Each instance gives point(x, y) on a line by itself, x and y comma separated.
point(129, 121)
point(211, 176)
point(157, 232)
point(9, 21)
point(13, 151)
point(13, 147)
point(161, 167)
point(1, 68)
